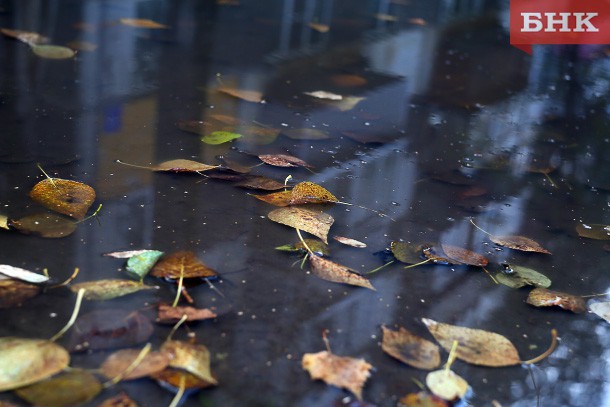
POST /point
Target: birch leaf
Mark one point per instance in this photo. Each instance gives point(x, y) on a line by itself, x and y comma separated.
point(140, 264)
point(410, 349)
point(541, 297)
point(53, 51)
point(101, 290)
point(142, 23)
point(521, 243)
point(220, 137)
point(593, 231)
point(194, 358)
point(47, 225)
point(74, 387)
point(283, 160)
point(259, 182)
point(22, 274)
point(336, 273)
point(171, 315)
point(244, 94)
point(522, 276)
point(464, 256)
point(309, 192)
point(118, 362)
point(67, 197)
point(405, 252)
point(316, 223)
point(281, 198)
point(183, 263)
point(446, 384)
point(350, 242)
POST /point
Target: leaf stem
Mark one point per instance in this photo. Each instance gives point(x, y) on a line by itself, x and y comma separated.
point(132, 165)
point(180, 281)
point(326, 341)
point(418, 264)
point(175, 328)
point(303, 241)
point(68, 280)
point(380, 267)
point(550, 350)
point(475, 225)
point(490, 276)
point(79, 300)
point(47, 175)
point(176, 400)
point(213, 287)
point(99, 208)
point(452, 356)
point(145, 351)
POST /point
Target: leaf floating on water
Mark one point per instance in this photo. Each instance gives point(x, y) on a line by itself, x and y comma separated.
point(120, 400)
point(47, 225)
point(14, 292)
point(306, 134)
point(26, 361)
point(321, 94)
point(260, 182)
point(142, 23)
point(385, 17)
point(410, 349)
point(53, 51)
point(22, 274)
point(323, 28)
point(283, 160)
point(247, 95)
point(70, 198)
point(29, 37)
point(464, 256)
point(101, 290)
point(315, 223)
point(108, 329)
point(350, 242)
point(70, 388)
point(281, 198)
point(446, 384)
point(181, 165)
point(126, 254)
point(436, 256)
point(405, 252)
point(347, 80)
point(171, 315)
point(601, 309)
point(475, 346)
point(194, 126)
point(522, 243)
point(140, 264)
point(593, 231)
point(4, 222)
point(541, 297)
point(422, 399)
point(82, 46)
point(194, 358)
point(171, 378)
point(183, 263)
point(316, 246)
point(120, 361)
point(336, 273)
point(220, 137)
point(308, 192)
point(522, 276)
point(340, 371)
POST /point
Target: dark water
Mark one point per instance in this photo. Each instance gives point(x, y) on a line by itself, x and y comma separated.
point(447, 97)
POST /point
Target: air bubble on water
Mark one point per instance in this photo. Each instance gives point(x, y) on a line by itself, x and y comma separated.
point(395, 203)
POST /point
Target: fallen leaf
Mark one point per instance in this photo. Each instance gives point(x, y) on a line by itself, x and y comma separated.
point(308, 192)
point(541, 297)
point(348, 103)
point(194, 358)
point(181, 165)
point(236, 166)
point(593, 231)
point(601, 309)
point(247, 95)
point(140, 264)
point(198, 127)
point(4, 222)
point(183, 263)
point(171, 315)
point(101, 290)
point(259, 182)
point(436, 256)
point(47, 225)
point(70, 198)
point(14, 292)
point(306, 134)
point(220, 137)
point(26, 361)
point(316, 246)
point(341, 371)
point(446, 384)
point(522, 243)
point(283, 160)
point(82, 46)
point(323, 28)
point(73, 387)
point(405, 252)
point(258, 134)
point(22, 274)
point(475, 346)
point(347, 80)
point(281, 198)
point(52, 51)
point(422, 399)
point(142, 23)
point(118, 362)
point(126, 254)
point(172, 378)
point(410, 349)
point(321, 94)
point(336, 273)
point(316, 223)
point(120, 400)
point(29, 37)
point(464, 256)
point(521, 276)
point(385, 17)
point(350, 242)
point(109, 329)
point(417, 21)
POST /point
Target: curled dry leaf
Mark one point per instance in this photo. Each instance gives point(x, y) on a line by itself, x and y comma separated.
point(283, 160)
point(14, 292)
point(410, 348)
point(244, 94)
point(53, 51)
point(26, 361)
point(593, 231)
point(281, 198)
point(170, 315)
point(22, 274)
point(306, 134)
point(194, 358)
point(446, 384)
point(47, 225)
point(350, 242)
point(341, 371)
point(525, 244)
point(68, 197)
point(475, 346)
point(521, 276)
point(601, 309)
point(29, 37)
point(198, 127)
point(464, 256)
point(118, 362)
point(101, 290)
point(120, 400)
point(142, 23)
point(321, 94)
point(541, 297)
point(259, 182)
point(336, 273)
point(183, 263)
point(316, 223)
point(308, 192)
point(74, 387)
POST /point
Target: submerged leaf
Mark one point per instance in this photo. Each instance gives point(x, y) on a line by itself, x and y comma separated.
point(405, 252)
point(219, 137)
point(464, 256)
point(422, 399)
point(316, 223)
point(323, 28)
point(350, 242)
point(29, 37)
point(475, 346)
point(522, 243)
point(446, 384)
point(26, 361)
point(306, 134)
point(4, 222)
point(140, 264)
point(341, 371)
point(593, 231)
point(118, 362)
point(68, 197)
point(283, 160)
point(23, 275)
point(410, 349)
point(194, 358)
point(601, 309)
point(336, 273)
point(74, 387)
point(348, 80)
point(120, 400)
point(182, 263)
point(48, 225)
point(247, 95)
point(281, 198)
point(541, 297)
point(101, 290)
point(321, 94)
point(53, 51)
point(308, 192)
point(522, 276)
point(171, 315)
point(15, 292)
point(259, 182)
point(142, 23)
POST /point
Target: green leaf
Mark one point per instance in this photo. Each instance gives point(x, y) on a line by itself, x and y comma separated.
point(101, 290)
point(522, 276)
point(405, 252)
point(69, 388)
point(139, 265)
point(220, 137)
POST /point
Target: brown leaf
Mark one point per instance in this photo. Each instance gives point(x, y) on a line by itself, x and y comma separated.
point(181, 165)
point(194, 358)
point(183, 263)
point(308, 192)
point(316, 223)
point(64, 196)
point(101, 290)
point(541, 297)
point(171, 315)
point(259, 182)
point(341, 371)
point(464, 256)
point(522, 243)
point(118, 362)
point(142, 23)
point(593, 231)
point(336, 273)
point(435, 255)
point(347, 80)
point(174, 377)
point(323, 28)
point(247, 95)
point(283, 160)
point(120, 400)
point(29, 37)
point(69, 388)
point(350, 242)
point(422, 399)
point(475, 346)
point(14, 292)
point(410, 349)
point(48, 225)
point(281, 198)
